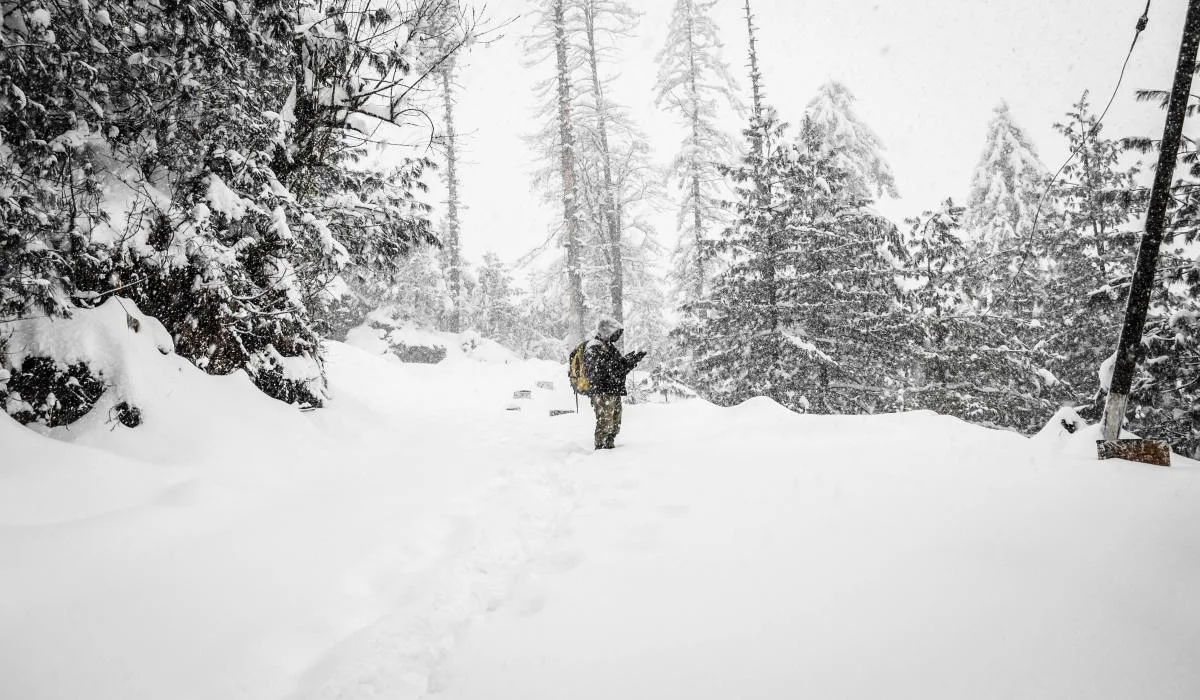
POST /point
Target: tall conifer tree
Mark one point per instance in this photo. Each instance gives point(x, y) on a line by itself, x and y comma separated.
point(694, 83)
point(1089, 256)
point(550, 44)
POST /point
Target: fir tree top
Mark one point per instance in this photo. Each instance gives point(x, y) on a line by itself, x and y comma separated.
point(1007, 182)
point(851, 144)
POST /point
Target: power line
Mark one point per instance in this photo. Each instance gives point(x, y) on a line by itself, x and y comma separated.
point(1137, 33)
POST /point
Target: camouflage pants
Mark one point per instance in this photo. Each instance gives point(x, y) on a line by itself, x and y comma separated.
point(608, 418)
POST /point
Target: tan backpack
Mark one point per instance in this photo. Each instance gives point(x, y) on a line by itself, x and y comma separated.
point(577, 371)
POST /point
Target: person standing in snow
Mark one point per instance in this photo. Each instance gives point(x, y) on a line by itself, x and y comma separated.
point(606, 370)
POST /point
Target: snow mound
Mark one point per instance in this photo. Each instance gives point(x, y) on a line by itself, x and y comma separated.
point(114, 340)
point(1069, 436)
point(385, 334)
point(370, 339)
point(45, 481)
point(183, 413)
point(107, 337)
point(762, 407)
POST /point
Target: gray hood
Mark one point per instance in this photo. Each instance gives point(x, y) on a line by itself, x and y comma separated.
point(607, 328)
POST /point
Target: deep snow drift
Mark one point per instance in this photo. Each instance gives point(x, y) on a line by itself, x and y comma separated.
point(416, 539)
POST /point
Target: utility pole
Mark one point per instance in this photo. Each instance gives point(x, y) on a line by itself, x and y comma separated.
point(1142, 283)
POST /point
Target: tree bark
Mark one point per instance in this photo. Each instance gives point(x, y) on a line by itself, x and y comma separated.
point(694, 165)
point(572, 243)
point(453, 245)
point(611, 213)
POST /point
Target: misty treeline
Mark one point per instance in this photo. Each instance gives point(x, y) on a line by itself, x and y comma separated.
point(219, 165)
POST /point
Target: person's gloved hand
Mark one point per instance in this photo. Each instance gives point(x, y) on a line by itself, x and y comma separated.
point(634, 357)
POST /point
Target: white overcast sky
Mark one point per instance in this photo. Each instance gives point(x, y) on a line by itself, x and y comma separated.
point(927, 74)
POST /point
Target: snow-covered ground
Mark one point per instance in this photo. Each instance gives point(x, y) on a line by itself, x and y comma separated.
point(416, 539)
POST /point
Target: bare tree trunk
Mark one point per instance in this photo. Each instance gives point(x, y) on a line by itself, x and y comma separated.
point(453, 245)
point(697, 215)
point(575, 301)
point(612, 216)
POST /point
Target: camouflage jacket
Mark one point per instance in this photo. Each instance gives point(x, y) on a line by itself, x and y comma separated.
point(606, 368)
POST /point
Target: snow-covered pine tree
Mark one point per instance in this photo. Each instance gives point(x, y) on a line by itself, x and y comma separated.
point(847, 300)
point(942, 309)
point(733, 334)
point(738, 333)
point(968, 362)
point(421, 293)
point(1006, 184)
point(492, 308)
point(1089, 257)
point(228, 209)
point(541, 325)
point(637, 188)
point(622, 185)
point(1006, 191)
point(852, 145)
point(808, 310)
point(603, 22)
point(380, 220)
point(1166, 389)
point(758, 109)
point(500, 308)
point(450, 31)
point(181, 160)
point(615, 183)
point(1008, 270)
point(365, 72)
point(556, 140)
point(695, 84)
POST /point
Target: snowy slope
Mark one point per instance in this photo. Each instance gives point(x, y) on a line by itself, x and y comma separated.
point(415, 539)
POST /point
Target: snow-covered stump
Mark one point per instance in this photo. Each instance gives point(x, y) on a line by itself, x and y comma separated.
point(523, 394)
point(548, 386)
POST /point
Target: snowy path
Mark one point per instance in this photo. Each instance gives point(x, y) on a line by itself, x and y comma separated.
point(254, 552)
point(481, 550)
point(416, 540)
point(902, 556)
